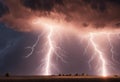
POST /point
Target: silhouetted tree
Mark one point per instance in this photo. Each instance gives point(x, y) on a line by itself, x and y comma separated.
point(67, 75)
point(115, 75)
point(7, 74)
point(76, 74)
point(59, 74)
point(70, 74)
point(83, 74)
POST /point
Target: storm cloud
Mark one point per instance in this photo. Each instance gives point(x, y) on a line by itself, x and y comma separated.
point(95, 14)
point(3, 9)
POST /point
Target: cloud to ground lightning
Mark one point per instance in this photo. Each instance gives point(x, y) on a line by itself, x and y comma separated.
point(101, 56)
point(49, 53)
point(52, 36)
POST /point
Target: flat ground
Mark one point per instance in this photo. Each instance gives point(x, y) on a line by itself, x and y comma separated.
point(60, 79)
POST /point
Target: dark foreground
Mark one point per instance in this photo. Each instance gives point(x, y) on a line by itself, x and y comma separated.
point(60, 79)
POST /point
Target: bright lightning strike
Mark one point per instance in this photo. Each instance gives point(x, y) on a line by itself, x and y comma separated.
point(112, 48)
point(49, 53)
point(50, 46)
point(102, 65)
point(51, 49)
point(100, 55)
point(33, 47)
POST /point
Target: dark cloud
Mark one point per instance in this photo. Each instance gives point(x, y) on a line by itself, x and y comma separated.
point(117, 2)
point(118, 24)
point(43, 5)
point(3, 9)
point(82, 13)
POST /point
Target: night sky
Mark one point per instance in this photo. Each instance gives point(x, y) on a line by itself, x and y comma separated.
point(17, 33)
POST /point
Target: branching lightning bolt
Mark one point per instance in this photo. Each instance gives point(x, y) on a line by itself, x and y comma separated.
point(100, 55)
point(51, 49)
point(104, 65)
point(33, 47)
point(112, 48)
point(50, 46)
point(49, 53)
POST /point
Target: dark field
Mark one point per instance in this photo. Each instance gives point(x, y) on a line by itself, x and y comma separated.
point(60, 79)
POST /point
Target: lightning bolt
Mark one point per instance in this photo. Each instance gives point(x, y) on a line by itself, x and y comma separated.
point(112, 48)
point(49, 53)
point(100, 55)
point(104, 65)
point(32, 48)
point(51, 48)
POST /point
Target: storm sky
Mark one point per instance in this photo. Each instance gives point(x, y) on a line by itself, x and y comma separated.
point(17, 33)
